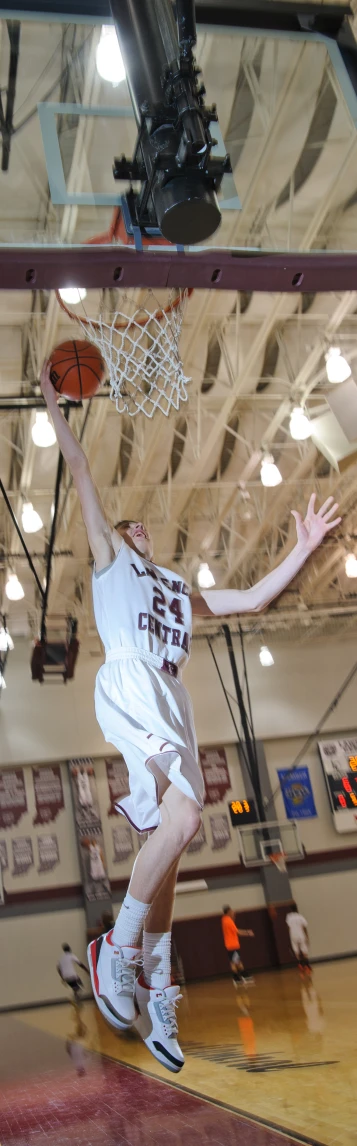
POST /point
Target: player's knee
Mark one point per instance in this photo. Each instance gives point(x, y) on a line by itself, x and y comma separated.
point(191, 822)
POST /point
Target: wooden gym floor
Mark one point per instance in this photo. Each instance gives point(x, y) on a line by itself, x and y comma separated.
point(277, 1062)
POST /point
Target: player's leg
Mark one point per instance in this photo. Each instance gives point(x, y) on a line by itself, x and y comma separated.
point(113, 958)
point(156, 998)
point(236, 966)
point(304, 959)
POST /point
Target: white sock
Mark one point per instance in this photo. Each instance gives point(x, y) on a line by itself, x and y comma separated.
point(157, 958)
point(130, 922)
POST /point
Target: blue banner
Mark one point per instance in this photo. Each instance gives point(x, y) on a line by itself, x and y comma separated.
point(297, 793)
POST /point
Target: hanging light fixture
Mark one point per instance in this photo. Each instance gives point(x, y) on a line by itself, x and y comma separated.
point(109, 60)
point(31, 520)
point(299, 425)
point(72, 295)
point(43, 433)
point(337, 367)
point(204, 576)
point(265, 657)
point(269, 473)
point(351, 565)
point(6, 642)
point(13, 588)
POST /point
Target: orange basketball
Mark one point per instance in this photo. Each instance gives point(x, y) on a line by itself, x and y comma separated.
point(77, 369)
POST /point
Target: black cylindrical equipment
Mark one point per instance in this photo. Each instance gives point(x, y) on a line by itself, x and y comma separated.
point(187, 210)
point(173, 153)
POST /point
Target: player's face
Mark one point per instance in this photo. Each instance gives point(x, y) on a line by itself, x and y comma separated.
point(140, 537)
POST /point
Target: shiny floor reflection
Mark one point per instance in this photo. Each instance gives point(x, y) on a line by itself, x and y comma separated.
point(282, 1053)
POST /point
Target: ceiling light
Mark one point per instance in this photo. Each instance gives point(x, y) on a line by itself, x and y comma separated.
point(299, 425)
point(31, 521)
point(6, 642)
point(204, 576)
point(269, 473)
point(13, 588)
point(73, 295)
point(265, 657)
point(43, 433)
point(337, 367)
point(351, 565)
point(108, 58)
point(2, 681)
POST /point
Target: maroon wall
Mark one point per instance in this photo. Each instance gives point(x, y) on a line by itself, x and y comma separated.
point(199, 942)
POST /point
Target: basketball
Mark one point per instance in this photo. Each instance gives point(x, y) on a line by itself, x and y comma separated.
point(77, 369)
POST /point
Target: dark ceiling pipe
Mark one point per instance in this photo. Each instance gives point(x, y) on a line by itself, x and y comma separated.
point(6, 118)
point(148, 41)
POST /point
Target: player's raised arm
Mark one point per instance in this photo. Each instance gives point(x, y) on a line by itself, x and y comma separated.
point(310, 534)
point(104, 541)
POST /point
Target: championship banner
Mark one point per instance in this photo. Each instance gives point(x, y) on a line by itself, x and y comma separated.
point(4, 863)
point(297, 793)
point(118, 781)
point(221, 835)
point(215, 773)
point(48, 853)
point(13, 802)
point(49, 801)
point(198, 842)
point(90, 839)
point(123, 845)
point(22, 855)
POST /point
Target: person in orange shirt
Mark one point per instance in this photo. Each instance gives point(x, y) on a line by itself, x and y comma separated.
point(231, 937)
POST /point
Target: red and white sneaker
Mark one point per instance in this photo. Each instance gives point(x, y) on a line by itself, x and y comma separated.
point(113, 971)
point(157, 1023)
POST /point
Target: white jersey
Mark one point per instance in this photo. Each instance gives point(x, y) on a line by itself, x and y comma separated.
point(296, 924)
point(144, 618)
point(139, 605)
point(97, 869)
point(68, 966)
point(84, 790)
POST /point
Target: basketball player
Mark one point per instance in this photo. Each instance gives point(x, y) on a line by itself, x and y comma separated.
point(231, 939)
point(143, 615)
point(299, 938)
point(67, 968)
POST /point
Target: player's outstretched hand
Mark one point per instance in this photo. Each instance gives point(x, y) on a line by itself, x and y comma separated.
point(313, 529)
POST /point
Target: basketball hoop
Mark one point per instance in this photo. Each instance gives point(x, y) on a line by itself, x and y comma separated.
point(140, 345)
point(279, 860)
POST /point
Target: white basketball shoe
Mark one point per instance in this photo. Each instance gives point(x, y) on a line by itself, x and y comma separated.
point(113, 970)
point(157, 1023)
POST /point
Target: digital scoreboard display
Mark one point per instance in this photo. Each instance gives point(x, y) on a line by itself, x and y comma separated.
point(242, 812)
point(339, 762)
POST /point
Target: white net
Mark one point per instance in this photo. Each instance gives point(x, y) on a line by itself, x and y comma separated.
point(140, 346)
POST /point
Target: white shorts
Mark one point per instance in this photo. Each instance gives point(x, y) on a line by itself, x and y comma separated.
point(299, 947)
point(147, 714)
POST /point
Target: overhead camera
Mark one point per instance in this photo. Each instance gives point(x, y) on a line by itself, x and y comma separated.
point(172, 160)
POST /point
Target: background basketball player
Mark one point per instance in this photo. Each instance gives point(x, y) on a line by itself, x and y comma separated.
point(143, 614)
point(231, 939)
point(299, 937)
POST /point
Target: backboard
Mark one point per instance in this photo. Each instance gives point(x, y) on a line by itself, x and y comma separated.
point(257, 842)
point(287, 116)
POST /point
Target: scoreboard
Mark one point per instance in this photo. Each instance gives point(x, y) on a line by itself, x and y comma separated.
point(242, 812)
point(339, 762)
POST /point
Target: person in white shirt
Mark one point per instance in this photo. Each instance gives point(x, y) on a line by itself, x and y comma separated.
point(299, 937)
point(67, 970)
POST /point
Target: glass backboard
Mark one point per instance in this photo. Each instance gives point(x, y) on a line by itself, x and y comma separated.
point(287, 116)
